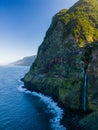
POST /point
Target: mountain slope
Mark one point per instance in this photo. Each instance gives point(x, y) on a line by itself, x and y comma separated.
point(82, 21)
point(68, 53)
point(26, 61)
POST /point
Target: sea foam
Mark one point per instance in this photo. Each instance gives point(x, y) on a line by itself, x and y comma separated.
point(52, 106)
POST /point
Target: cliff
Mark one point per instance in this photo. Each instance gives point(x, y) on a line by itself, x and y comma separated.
point(68, 52)
point(26, 61)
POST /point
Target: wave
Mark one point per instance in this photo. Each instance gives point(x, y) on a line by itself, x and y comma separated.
point(52, 106)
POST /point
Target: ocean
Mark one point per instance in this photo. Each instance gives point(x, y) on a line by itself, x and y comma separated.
point(21, 109)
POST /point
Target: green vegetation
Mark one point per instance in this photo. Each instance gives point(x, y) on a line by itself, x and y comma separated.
point(69, 49)
point(90, 122)
point(82, 21)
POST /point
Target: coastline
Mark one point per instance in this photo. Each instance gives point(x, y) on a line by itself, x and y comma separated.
point(70, 118)
point(74, 119)
point(54, 107)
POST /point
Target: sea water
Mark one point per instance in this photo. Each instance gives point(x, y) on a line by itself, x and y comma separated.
point(21, 109)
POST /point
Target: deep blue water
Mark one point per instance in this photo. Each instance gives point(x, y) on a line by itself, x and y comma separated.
point(23, 110)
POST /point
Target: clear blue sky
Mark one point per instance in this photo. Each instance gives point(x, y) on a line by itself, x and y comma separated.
point(23, 24)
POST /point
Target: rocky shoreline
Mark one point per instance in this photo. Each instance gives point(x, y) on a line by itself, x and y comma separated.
point(66, 66)
point(71, 117)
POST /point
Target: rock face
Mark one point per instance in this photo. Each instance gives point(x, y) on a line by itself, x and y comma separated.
point(69, 50)
point(58, 68)
point(93, 79)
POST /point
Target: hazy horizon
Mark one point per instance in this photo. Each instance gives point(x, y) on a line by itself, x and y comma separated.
point(23, 24)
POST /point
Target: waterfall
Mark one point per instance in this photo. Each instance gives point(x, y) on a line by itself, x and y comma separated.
point(85, 92)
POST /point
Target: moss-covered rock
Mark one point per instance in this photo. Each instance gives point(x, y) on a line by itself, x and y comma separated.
point(70, 94)
point(93, 79)
point(90, 122)
point(69, 50)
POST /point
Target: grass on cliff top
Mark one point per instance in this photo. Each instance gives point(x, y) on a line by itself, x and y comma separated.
point(81, 20)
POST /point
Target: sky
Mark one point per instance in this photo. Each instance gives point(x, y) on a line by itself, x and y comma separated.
point(23, 24)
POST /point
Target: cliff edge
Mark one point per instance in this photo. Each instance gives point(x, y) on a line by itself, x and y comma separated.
point(69, 52)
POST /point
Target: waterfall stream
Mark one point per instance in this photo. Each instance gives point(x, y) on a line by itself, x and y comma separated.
point(84, 92)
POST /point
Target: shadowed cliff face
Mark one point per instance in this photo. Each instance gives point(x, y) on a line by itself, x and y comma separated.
point(93, 79)
point(59, 67)
point(69, 50)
